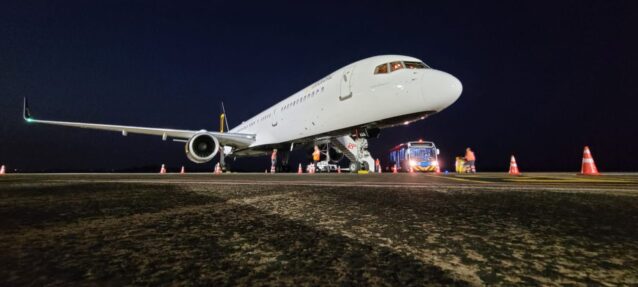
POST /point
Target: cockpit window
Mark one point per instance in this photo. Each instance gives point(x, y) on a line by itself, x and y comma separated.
point(395, 66)
point(398, 65)
point(415, 65)
point(381, 69)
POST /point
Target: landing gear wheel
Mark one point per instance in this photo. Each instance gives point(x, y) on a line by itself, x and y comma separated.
point(364, 165)
point(280, 167)
point(354, 166)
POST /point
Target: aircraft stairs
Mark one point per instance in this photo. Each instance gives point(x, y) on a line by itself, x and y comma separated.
point(355, 150)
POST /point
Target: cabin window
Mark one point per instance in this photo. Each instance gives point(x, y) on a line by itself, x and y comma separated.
point(396, 66)
point(381, 69)
point(415, 65)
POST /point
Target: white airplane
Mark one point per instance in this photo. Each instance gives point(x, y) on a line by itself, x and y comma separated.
point(338, 113)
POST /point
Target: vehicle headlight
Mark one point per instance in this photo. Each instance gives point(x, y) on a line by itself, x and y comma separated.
point(435, 163)
point(412, 163)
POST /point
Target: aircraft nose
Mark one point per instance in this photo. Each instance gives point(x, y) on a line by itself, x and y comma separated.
point(440, 89)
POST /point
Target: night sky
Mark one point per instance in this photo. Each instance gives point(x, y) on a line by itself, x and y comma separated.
point(541, 78)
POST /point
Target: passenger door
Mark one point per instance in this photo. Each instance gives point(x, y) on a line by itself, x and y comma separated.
point(274, 117)
point(346, 83)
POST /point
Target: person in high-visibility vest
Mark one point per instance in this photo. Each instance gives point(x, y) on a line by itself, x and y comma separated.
point(470, 159)
point(316, 155)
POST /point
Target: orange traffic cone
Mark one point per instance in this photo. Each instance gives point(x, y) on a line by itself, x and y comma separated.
point(162, 169)
point(218, 169)
point(299, 169)
point(514, 167)
point(338, 169)
point(182, 171)
point(588, 167)
point(394, 169)
point(2, 170)
point(272, 168)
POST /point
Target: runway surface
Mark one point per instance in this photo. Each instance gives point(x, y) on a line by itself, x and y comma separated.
point(336, 229)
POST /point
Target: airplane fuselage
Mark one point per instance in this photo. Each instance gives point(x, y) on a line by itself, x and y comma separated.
point(354, 96)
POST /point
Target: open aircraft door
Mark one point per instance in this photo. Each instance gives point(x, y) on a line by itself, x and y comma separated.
point(346, 83)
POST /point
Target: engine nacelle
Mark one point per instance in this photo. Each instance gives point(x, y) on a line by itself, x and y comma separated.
point(202, 147)
point(335, 155)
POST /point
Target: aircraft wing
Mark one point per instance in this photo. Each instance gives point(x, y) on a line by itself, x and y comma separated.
point(232, 139)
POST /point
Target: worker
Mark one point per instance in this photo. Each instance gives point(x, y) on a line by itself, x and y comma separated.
point(377, 165)
point(316, 155)
point(470, 159)
point(273, 158)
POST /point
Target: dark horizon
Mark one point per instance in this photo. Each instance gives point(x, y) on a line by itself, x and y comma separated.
point(541, 79)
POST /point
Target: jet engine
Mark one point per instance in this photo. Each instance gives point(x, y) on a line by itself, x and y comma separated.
point(202, 147)
point(335, 155)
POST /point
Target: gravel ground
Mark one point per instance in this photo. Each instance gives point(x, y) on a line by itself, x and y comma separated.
point(322, 230)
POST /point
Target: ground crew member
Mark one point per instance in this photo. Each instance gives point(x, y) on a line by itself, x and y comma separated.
point(377, 165)
point(273, 158)
point(470, 158)
point(316, 155)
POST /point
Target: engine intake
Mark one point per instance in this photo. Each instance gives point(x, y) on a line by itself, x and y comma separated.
point(335, 155)
point(202, 147)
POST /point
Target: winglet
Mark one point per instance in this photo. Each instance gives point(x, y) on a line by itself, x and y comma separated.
point(26, 113)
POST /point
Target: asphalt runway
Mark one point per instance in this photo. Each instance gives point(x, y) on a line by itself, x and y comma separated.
point(321, 229)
